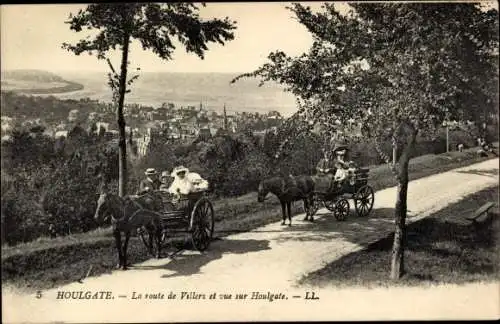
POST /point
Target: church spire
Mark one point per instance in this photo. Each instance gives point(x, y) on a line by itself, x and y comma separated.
point(225, 117)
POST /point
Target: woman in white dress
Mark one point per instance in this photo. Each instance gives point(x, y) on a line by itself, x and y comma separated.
point(186, 182)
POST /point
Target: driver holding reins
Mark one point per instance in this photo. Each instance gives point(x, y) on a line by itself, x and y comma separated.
point(151, 183)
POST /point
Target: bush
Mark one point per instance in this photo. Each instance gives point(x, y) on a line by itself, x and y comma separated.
point(22, 216)
point(50, 187)
point(244, 175)
point(55, 195)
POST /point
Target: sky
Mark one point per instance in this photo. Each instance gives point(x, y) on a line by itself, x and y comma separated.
point(31, 38)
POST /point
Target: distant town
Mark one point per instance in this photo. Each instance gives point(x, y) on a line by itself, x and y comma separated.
point(146, 125)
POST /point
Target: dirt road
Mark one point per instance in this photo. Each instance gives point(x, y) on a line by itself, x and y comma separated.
point(266, 263)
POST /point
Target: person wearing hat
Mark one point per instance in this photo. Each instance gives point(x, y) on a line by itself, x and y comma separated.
point(325, 165)
point(164, 180)
point(186, 182)
point(181, 184)
point(341, 165)
point(150, 183)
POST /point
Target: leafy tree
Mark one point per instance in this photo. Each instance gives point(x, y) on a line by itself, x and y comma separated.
point(153, 25)
point(399, 69)
point(27, 148)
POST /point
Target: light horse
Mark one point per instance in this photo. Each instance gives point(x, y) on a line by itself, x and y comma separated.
point(128, 214)
point(288, 190)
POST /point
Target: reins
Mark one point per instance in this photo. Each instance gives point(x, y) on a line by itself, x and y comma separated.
point(123, 210)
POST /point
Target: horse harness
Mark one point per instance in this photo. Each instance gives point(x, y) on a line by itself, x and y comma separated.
point(124, 205)
point(292, 184)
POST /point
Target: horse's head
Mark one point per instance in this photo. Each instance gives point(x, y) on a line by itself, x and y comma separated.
point(262, 191)
point(102, 209)
point(104, 203)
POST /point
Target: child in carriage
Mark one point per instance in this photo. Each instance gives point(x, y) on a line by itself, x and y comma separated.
point(344, 170)
point(165, 181)
point(333, 172)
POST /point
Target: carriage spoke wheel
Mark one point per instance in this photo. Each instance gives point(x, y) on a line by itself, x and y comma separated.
point(330, 205)
point(202, 220)
point(341, 210)
point(363, 200)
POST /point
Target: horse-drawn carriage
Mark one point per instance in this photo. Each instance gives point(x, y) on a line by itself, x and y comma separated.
point(334, 195)
point(154, 215)
point(192, 213)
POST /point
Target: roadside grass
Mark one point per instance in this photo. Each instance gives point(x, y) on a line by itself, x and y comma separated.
point(442, 248)
point(50, 262)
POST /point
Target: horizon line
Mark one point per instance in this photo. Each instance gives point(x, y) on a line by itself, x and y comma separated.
point(129, 71)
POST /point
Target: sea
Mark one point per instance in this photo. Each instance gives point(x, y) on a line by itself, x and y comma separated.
point(211, 90)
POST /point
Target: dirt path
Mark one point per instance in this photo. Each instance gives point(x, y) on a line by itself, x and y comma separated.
point(271, 259)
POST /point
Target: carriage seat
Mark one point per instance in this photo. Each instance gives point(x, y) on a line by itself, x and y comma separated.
point(324, 183)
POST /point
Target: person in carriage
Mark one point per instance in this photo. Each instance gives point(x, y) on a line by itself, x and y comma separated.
point(325, 166)
point(338, 168)
point(151, 183)
point(165, 180)
point(345, 168)
point(186, 182)
point(341, 165)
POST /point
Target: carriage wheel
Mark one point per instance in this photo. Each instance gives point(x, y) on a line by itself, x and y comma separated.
point(330, 205)
point(341, 210)
point(202, 224)
point(363, 200)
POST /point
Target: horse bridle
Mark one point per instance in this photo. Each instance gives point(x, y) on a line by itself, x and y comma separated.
point(110, 213)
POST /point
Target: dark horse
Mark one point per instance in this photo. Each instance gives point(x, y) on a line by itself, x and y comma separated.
point(288, 189)
point(128, 214)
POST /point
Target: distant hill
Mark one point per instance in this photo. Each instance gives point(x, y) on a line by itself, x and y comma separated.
point(31, 75)
point(36, 82)
point(212, 90)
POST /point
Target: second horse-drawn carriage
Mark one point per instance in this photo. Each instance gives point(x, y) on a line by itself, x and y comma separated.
point(334, 185)
point(334, 195)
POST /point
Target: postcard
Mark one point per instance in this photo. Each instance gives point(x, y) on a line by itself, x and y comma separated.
point(250, 161)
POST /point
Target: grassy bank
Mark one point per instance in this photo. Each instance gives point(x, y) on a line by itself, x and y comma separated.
point(46, 263)
point(442, 248)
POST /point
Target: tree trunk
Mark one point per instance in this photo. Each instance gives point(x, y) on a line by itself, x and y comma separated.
point(397, 261)
point(122, 145)
point(398, 248)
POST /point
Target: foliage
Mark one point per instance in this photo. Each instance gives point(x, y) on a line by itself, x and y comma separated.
point(61, 192)
point(152, 24)
point(52, 182)
point(49, 192)
point(397, 69)
point(391, 66)
point(56, 110)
